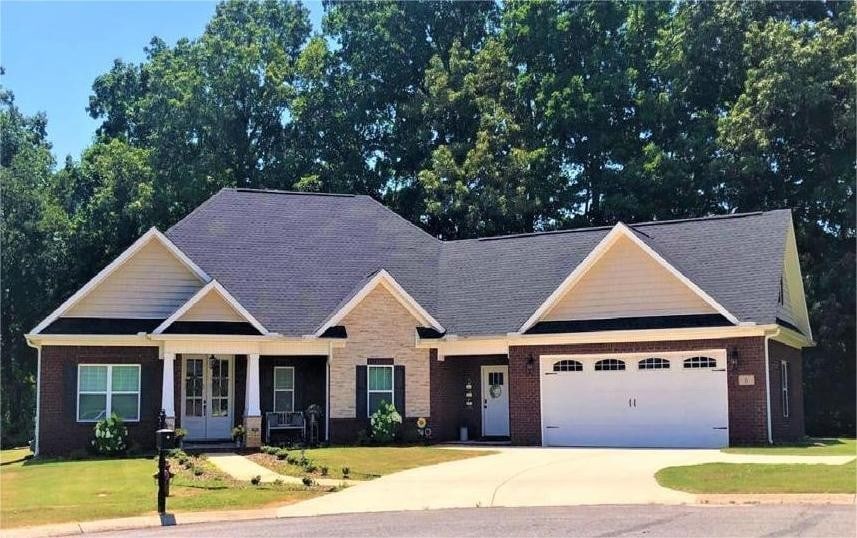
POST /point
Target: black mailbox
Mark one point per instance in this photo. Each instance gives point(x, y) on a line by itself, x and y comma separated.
point(165, 439)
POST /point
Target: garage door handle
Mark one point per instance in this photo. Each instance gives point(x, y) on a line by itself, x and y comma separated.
point(635, 402)
point(629, 402)
point(551, 427)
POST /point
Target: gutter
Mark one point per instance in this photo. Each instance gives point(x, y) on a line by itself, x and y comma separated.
point(768, 335)
point(38, 349)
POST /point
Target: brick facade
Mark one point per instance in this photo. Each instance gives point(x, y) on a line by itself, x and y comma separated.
point(448, 409)
point(747, 404)
point(792, 427)
point(59, 431)
point(379, 327)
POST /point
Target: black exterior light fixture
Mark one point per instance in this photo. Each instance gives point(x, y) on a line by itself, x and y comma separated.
point(733, 358)
point(530, 364)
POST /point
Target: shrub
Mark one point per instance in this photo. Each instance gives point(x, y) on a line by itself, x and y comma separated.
point(181, 433)
point(346, 471)
point(110, 436)
point(177, 453)
point(310, 468)
point(198, 471)
point(282, 454)
point(292, 460)
point(384, 423)
point(324, 470)
point(308, 482)
point(256, 480)
point(278, 482)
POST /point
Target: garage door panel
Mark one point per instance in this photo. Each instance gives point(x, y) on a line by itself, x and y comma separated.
point(646, 408)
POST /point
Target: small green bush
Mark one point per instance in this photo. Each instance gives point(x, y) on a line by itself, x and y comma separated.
point(256, 480)
point(110, 436)
point(310, 468)
point(324, 470)
point(292, 460)
point(198, 471)
point(384, 423)
point(346, 471)
point(278, 482)
point(282, 454)
point(308, 482)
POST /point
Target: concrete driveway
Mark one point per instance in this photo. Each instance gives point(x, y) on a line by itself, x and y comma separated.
point(519, 476)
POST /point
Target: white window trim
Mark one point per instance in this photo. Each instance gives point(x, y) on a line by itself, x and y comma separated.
point(392, 390)
point(276, 390)
point(784, 387)
point(108, 393)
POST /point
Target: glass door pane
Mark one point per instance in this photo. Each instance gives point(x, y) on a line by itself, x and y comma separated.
point(194, 383)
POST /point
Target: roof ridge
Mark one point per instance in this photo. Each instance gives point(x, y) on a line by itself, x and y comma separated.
point(299, 193)
point(608, 227)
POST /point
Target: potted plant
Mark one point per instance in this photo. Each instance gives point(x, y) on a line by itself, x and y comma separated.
point(238, 434)
point(181, 433)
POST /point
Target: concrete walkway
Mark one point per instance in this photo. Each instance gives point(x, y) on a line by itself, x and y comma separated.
point(241, 468)
point(520, 477)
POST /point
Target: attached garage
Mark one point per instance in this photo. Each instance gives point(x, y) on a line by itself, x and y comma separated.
point(635, 400)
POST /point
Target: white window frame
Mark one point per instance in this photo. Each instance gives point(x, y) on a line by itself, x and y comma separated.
point(276, 390)
point(784, 386)
point(108, 393)
point(392, 390)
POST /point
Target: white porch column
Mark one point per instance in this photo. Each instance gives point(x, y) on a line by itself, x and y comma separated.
point(251, 408)
point(167, 388)
point(252, 413)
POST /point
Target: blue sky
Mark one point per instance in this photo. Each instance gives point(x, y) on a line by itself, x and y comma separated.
point(52, 52)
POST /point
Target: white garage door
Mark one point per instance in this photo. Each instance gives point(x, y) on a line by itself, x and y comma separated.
point(650, 400)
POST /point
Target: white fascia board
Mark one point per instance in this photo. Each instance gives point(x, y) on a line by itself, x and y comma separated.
point(382, 278)
point(619, 230)
point(791, 241)
point(127, 254)
point(212, 287)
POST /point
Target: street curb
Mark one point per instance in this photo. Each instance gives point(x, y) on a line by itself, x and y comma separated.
point(776, 498)
point(137, 522)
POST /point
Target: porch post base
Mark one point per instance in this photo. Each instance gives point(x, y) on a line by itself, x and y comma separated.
point(253, 426)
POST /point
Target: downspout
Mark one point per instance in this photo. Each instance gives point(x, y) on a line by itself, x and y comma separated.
point(38, 349)
point(327, 392)
point(768, 336)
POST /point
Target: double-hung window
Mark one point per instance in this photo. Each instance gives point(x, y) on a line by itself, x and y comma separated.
point(784, 385)
point(379, 387)
point(284, 388)
point(104, 389)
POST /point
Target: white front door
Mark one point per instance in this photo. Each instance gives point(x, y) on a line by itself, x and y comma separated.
point(207, 402)
point(638, 400)
point(495, 400)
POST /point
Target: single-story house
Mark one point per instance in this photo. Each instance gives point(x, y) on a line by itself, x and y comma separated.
point(683, 333)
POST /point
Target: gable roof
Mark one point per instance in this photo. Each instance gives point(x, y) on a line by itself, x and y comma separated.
point(213, 287)
point(151, 235)
point(294, 260)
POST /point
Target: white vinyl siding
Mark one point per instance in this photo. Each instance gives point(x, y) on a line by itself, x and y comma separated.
point(627, 282)
point(104, 389)
point(793, 307)
point(212, 307)
point(284, 388)
point(152, 284)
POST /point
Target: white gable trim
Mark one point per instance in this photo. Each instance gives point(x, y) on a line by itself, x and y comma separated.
point(799, 307)
point(152, 235)
point(212, 287)
point(385, 279)
point(620, 230)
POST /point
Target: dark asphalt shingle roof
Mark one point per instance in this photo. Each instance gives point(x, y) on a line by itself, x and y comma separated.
point(292, 259)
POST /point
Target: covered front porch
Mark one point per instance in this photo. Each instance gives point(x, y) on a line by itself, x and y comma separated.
point(210, 385)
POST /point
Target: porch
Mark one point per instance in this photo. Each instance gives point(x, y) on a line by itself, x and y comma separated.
point(209, 388)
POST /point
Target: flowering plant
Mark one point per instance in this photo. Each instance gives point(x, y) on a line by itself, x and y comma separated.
point(384, 422)
point(110, 436)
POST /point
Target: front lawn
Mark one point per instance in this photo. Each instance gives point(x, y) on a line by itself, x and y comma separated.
point(37, 492)
point(760, 478)
point(842, 446)
point(364, 462)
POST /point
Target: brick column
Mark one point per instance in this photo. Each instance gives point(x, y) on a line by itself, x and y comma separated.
point(252, 412)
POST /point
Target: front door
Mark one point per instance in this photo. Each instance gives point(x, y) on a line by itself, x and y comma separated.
point(207, 405)
point(495, 401)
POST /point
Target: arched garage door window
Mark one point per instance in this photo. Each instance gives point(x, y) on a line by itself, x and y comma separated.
point(567, 366)
point(608, 365)
point(653, 363)
point(700, 362)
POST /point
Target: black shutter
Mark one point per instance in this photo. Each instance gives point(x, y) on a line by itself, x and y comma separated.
point(361, 392)
point(300, 400)
point(70, 390)
point(149, 406)
point(399, 388)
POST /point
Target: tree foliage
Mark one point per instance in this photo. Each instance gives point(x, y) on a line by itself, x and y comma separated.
point(468, 118)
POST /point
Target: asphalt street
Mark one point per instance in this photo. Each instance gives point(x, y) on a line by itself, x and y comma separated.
point(630, 520)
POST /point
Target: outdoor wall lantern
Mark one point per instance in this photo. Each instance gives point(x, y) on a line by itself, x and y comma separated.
point(733, 358)
point(530, 364)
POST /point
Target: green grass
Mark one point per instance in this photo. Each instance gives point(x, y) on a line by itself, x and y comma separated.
point(811, 447)
point(34, 492)
point(760, 478)
point(367, 462)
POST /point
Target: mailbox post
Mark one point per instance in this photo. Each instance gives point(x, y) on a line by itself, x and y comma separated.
point(165, 440)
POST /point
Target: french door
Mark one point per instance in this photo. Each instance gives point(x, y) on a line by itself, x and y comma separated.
point(208, 396)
